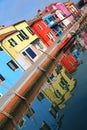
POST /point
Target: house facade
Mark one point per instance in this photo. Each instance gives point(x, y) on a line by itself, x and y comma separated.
point(42, 30)
point(10, 72)
point(65, 11)
point(23, 45)
point(73, 9)
point(52, 23)
point(57, 9)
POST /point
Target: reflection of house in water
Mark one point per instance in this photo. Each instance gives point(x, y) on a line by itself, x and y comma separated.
point(43, 112)
point(58, 86)
point(41, 115)
point(21, 123)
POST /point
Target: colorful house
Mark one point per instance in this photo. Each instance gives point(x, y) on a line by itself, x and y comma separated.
point(52, 23)
point(65, 11)
point(42, 30)
point(58, 87)
point(22, 45)
point(38, 118)
point(73, 9)
point(8, 29)
point(59, 14)
point(69, 62)
point(10, 72)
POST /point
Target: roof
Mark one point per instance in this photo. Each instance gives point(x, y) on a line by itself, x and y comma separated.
point(35, 19)
point(68, 3)
point(19, 22)
point(3, 36)
point(38, 17)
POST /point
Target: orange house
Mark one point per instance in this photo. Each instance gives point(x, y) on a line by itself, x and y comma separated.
point(41, 29)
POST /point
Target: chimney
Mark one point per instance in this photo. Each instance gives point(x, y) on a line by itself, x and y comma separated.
point(39, 12)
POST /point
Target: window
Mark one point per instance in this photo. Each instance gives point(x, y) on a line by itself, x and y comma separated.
point(21, 36)
point(71, 63)
point(50, 35)
point(29, 29)
point(45, 25)
point(12, 42)
point(12, 65)
point(40, 96)
point(1, 49)
point(63, 83)
point(68, 75)
point(52, 77)
point(44, 126)
point(23, 33)
point(39, 27)
point(30, 112)
point(21, 123)
point(56, 16)
point(1, 78)
point(57, 94)
point(27, 57)
point(51, 18)
point(58, 68)
point(36, 43)
point(31, 53)
point(46, 22)
point(53, 111)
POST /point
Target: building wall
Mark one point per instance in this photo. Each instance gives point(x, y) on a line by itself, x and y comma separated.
point(51, 22)
point(41, 33)
point(10, 76)
point(66, 22)
point(7, 29)
point(64, 10)
point(16, 51)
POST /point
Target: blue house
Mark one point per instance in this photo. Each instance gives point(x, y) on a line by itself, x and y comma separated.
point(9, 72)
point(42, 116)
point(52, 23)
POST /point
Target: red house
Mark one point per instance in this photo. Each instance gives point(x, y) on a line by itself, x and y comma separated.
point(41, 29)
point(69, 62)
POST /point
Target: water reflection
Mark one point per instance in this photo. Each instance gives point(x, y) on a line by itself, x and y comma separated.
point(53, 109)
point(75, 112)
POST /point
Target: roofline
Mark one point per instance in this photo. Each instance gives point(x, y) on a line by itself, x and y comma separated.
point(11, 32)
point(18, 22)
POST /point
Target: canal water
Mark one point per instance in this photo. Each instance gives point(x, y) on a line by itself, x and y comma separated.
point(74, 115)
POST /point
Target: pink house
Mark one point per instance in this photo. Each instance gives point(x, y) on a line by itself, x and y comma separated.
point(61, 7)
point(61, 12)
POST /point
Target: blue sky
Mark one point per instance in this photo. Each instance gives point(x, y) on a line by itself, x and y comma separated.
point(12, 11)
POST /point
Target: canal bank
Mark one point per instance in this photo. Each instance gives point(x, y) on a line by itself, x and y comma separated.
point(74, 115)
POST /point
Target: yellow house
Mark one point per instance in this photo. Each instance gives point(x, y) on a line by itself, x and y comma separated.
point(58, 87)
point(22, 45)
point(6, 29)
point(26, 31)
